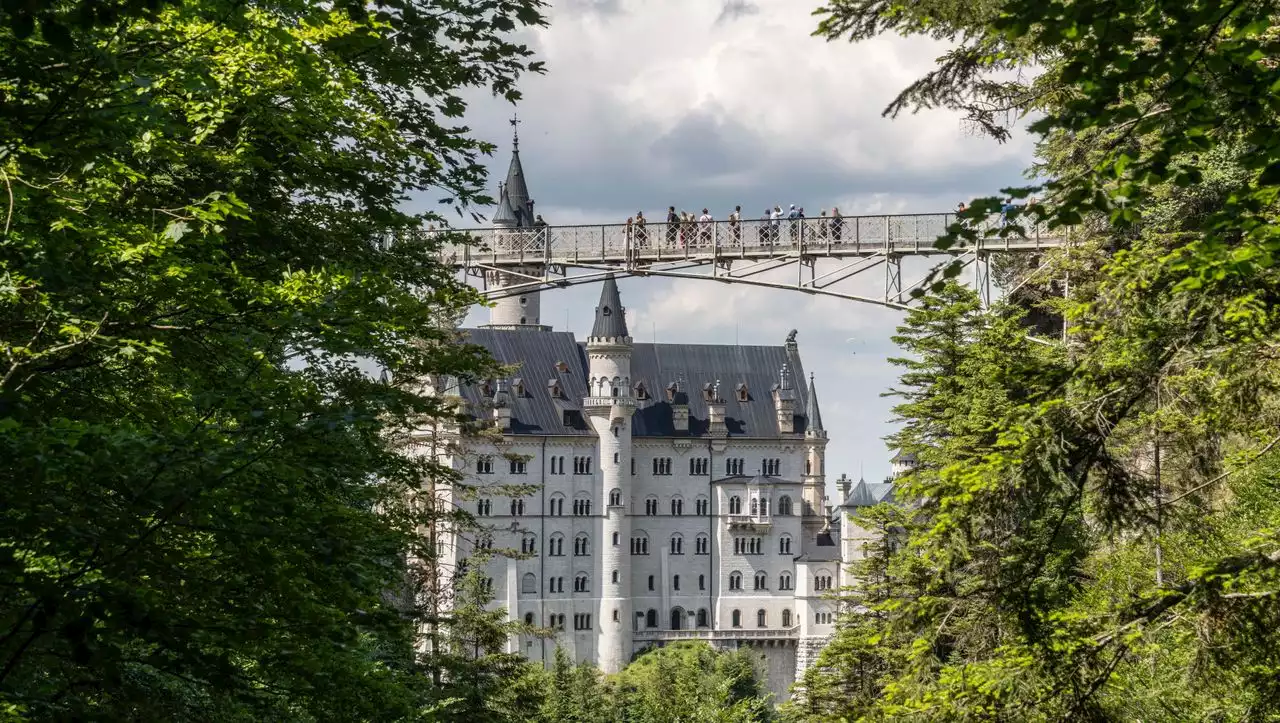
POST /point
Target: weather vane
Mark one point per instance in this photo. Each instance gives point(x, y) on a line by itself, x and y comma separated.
point(515, 130)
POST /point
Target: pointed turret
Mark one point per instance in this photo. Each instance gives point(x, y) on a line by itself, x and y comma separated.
point(517, 191)
point(813, 417)
point(611, 320)
point(504, 216)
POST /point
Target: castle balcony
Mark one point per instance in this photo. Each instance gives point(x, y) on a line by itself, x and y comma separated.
point(791, 633)
point(607, 402)
point(759, 523)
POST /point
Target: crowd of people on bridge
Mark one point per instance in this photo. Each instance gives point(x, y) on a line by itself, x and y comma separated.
point(686, 229)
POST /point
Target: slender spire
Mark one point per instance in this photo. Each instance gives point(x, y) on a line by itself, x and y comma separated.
point(611, 321)
point(811, 409)
point(517, 191)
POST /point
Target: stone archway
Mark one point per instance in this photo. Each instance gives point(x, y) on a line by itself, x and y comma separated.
point(678, 618)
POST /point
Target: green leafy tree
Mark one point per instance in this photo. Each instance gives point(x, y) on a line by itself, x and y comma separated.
point(686, 682)
point(1102, 511)
point(206, 501)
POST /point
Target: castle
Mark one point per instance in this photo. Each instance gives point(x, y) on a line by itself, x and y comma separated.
point(678, 490)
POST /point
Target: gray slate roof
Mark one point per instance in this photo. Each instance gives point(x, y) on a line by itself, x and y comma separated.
point(868, 494)
point(517, 191)
point(812, 413)
point(504, 215)
point(654, 365)
point(611, 321)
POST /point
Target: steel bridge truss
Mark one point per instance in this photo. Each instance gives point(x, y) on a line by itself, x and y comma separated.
point(511, 262)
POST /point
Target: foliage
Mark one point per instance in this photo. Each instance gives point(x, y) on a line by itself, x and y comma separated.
point(686, 682)
point(195, 198)
point(1092, 535)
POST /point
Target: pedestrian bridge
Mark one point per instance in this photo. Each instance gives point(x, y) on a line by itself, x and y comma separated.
point(506, 262)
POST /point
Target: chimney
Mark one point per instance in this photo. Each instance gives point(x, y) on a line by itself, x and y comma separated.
point(679, 407)
point(502, 407)
point(784, 402)
point(844, 484)
point(715, 413)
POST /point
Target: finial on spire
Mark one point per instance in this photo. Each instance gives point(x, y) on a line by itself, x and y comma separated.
point(515, 131)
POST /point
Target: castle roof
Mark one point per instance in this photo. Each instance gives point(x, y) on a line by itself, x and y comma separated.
point(517, 192)
point(811, 409)
point(868, 494)
point(537, 411)
point(611, 322)
point(504, 215)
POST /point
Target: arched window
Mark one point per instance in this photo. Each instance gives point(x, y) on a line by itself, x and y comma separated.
point(639, 543)
point(735, 505)
point(615, 498)
point(615, 539)
point(677, 618)
point(701, 544)
point(581, 505)
point(675, 582)
point(651, 505)
point(762, 581)
point(614, 577)
point(764, 506)
point(581, 547)
point(580, 582)
point(677, 544)
point(702, 617)
point(701, 506)
point(784, 545)
point(677, 506)
point(651, 583)
point(761, 619)
point(651, 619)
point(555, 548)
point(755, 506)
point(555, 505)
point(736, 618)
point(784, 506)
point(784, 581)
point(702, 582)
point(786, 618)
point(528, 584)
point(517, 508)
point(528, 544)
point(528, 618)
point(735, 580)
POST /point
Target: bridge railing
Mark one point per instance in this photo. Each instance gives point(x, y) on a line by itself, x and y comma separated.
point(911, 233)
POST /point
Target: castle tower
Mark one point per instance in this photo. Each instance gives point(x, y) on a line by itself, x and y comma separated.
point(516, 229)
point(815, 459)
point(608, 407)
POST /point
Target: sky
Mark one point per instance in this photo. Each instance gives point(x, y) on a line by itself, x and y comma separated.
point(715, 103)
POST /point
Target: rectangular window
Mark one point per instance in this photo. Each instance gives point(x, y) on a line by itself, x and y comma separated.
point(582, 621)
point(519, 466)
point(699, 467)
point(771, 467)
point(662, 466)
point(484, 465)
point(733, 467)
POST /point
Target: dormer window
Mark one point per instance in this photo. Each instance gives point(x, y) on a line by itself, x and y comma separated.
point(517, 387)
point(562, 367)
point(553, 386)
point(640, 391)
point(671, 391)
point(709, 392)
point(486, 388)
point(744, 394)
point(606, 311)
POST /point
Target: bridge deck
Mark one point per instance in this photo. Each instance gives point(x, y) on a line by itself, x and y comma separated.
point(635, 244)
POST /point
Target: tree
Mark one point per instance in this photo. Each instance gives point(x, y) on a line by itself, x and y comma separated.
point(692, 682)
point(1113, 529)
point(205, 499)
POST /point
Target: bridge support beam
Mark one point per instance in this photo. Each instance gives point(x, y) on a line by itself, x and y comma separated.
point(893, 279)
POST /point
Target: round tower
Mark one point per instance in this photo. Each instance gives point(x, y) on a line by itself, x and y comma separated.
point(608, 407)
point(516, 230)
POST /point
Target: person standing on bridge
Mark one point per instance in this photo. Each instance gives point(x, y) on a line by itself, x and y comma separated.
point(793, 223)
point(673, 225)
point(642, 236)
point(824, 226)
point(735, 225)
point(837, 224)
point(775, 224)
point(704, 224)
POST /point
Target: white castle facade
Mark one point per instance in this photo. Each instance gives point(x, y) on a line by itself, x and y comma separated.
point(674, 491)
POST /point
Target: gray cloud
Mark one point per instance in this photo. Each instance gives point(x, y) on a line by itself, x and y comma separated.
point(606, 8)
point(735, 9)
